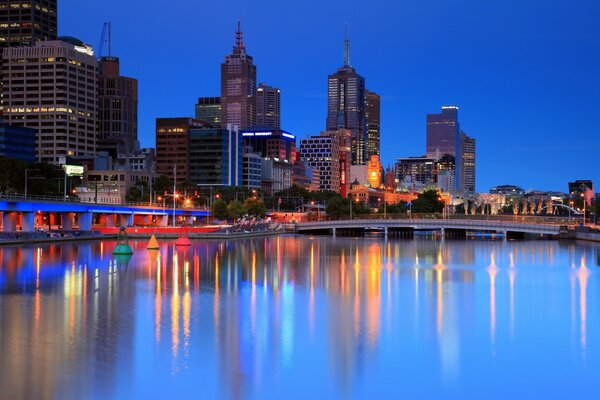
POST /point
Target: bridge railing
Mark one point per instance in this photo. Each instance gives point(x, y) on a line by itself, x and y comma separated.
point(435, 224)
point(71, 199)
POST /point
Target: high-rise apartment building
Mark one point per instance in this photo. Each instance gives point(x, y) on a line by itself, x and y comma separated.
point(53, 87)
point(466, 167)
point(443, 132)
point(172, 145)
point(323, 154)
point(415, 173)
point(373, 117)
point(17, 142)
point(208, 109)
point(238, 86)
point(268, 107)
point(346, 106)
point(117, 109)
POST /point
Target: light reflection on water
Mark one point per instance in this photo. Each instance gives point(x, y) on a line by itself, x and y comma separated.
point(300, 317)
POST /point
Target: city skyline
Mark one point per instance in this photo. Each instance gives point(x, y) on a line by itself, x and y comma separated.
point(520, 86)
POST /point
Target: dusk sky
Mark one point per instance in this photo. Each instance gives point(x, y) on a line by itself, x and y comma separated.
point(525, 74)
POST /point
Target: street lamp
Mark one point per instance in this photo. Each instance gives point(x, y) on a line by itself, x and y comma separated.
point(26, 171)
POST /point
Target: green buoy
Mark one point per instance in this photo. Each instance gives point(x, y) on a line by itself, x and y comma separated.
point(122, 246)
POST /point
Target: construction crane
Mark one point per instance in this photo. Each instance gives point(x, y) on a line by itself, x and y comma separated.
point(105, 37)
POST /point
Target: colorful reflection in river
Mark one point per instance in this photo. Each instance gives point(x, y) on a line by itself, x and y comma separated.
point(297, 317)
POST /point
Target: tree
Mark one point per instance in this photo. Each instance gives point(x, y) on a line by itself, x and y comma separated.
point(163, 184)
point(219, 210)
point(255, 207)
point(337, 207)
point(400, 208)
point(236, 210)
point(428, 202)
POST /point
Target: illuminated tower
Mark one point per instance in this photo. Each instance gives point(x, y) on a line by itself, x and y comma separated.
point(238, 86)
point(346, 105)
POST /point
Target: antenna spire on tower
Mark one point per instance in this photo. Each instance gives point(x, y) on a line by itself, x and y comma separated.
point(347, 48)
point(239, 37)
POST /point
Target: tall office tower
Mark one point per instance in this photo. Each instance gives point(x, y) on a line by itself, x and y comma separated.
point(268, 107)
point(238, 86)
point(466, 164)
point(346, 105)
point(22, 23)
point(323, 154)
point(53, 87)
point(172, 145)
point(443, 133)
point(372, 115)
point(117, 110)
point(216, 156)
point(208, 109)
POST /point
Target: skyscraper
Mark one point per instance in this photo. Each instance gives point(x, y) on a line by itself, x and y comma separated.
point(22, 23)
point(346, 105)
point(117, 109)
point(238, 86)
point(208, 109)
point(43, 99)
point(372, 113)
point(268, 107)
point(466, 164)
point(443, 132)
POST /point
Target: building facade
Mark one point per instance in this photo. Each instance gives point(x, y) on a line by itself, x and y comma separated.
point(268, 107)
point(414, 173)
point(271, 143)
point(172, 146)
point(17, 142)
point(238, 86)
point(208, 109)
point(346, 106)
point(323, 154)
point(117, 109)
point(22, 23)
point(443, 133)
point(52, 87)
point(251, 169)
point(276, 175)
point(216, 156)
point(373, 118)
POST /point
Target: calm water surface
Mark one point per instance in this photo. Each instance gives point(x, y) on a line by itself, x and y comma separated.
point(301, 318)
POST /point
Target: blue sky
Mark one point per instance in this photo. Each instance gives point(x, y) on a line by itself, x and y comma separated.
point(525, 74)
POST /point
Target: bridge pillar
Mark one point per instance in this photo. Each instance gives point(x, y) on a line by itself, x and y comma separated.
point(126, 219)
point(333, 232)
point(9, 221)
point(385, 231)
point(85, 221)
point(67, 220)
point(27, 221)
point(111, 220)
point(189, 220)
point(162, 220)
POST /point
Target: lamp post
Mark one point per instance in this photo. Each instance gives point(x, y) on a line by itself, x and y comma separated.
point(26, 180)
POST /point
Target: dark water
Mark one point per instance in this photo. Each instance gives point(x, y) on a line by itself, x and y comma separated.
point(301, 318)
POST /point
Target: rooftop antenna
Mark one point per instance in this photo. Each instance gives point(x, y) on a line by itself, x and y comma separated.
point(347, 48)
point(239, 37)
point(109, 37)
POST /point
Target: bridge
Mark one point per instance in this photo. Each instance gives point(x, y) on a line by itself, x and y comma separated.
point(449, 227)
point(27, 215)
